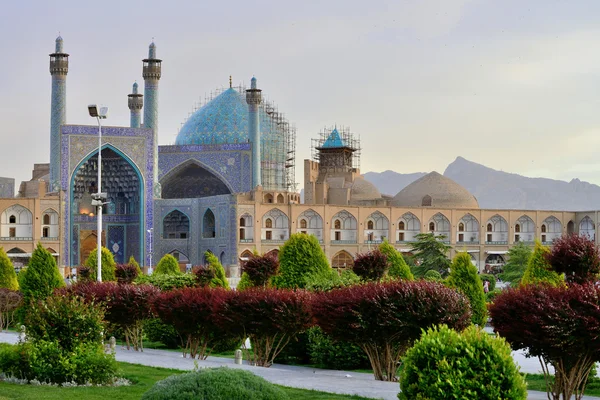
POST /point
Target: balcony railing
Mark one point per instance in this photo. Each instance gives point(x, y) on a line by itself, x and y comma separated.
point(467, 242)
point(379, 241)
point(273, 240)
point(500, 242)
point(50, 238)
point(343, 242)
point(405, 241)
point(246, 240)
point(16, 238)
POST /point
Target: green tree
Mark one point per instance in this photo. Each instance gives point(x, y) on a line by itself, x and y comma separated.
point(41, 277)
point(300, 257)
point(107, 264)
point(167, 265)
point(463, 277)
point(518, 258)
point(397, 266)
point(220, 280)
point(430, 253)
point(135, 264)
point(8, 276)
point(539, 269)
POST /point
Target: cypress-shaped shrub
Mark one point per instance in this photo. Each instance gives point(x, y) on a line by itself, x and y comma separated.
point(41, 277)
point(107, 265)
point(8, 276)
point(167, 265)
point(220, 280)
point(215, 384)
point(299, 257)
point(134, 263)
point(397, 267)
point(464, 277)
point(370, 266)
point(447, 364)
point(539, 269)
point(384, 319)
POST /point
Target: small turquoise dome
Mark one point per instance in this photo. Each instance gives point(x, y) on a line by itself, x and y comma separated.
point(222, 120)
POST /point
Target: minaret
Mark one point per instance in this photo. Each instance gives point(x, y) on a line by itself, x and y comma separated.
point(151, 74)
point(59, 66)
point(135, 101)
point(254, 98)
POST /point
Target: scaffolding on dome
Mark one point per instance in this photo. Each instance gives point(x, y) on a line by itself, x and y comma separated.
point(278, 143)
point(348, 139)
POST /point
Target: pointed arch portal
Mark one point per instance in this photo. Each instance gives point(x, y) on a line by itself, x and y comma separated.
point(192, 181)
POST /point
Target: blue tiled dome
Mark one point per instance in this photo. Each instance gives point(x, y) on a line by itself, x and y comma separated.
point(222, 120)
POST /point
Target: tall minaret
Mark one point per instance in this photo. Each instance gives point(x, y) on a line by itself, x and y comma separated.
point(151, 74)
point(254, 98)
point(59, 66)
point(135, 101)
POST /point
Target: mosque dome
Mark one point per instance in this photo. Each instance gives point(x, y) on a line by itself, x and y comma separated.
point(362, 189)
point(224, 119)
point(435, 190)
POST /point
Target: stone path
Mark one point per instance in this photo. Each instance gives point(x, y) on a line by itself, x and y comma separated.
point(293, 376)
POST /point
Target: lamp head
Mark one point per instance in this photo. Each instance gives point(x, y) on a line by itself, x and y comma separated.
point(97, 112)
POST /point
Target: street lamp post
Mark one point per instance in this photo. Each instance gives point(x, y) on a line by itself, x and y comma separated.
point(150, 250)
point(99, 199)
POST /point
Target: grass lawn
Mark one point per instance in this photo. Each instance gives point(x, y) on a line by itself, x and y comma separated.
point(142, 379)
point(537, 382)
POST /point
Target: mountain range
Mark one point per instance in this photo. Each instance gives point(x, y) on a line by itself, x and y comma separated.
point(502, 190)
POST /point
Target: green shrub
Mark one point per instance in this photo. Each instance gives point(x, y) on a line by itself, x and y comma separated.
point(491, 295)
point(244, 282)
point(329, 279)
point(157, 331)
point(539, 269)
point(167, 282)
point(215, 384)
point(464, 277)
point(445, 364)
point(296, 351)
point(433, 276)
point(398, 268)
point(167, 265)
point(300, 257)
point(107, 265)
point(8, 276)
point(326, 352)
point(489, 278)
point(220, 280)
point(135, 264)
point(39, 280)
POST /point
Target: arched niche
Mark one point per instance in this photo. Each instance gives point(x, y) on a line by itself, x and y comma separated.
point(191, 181)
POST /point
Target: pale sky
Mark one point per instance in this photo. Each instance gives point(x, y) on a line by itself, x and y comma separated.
point(511, 84)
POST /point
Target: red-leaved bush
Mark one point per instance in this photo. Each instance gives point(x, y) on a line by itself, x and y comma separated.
point(126, 273)
point(191, 311)
point(575, 256)
point(559, 325)
point(384, 319)
point(261, 268)
point(204, 275)
point(370, 266)
point(127, 306)
point(269, 317)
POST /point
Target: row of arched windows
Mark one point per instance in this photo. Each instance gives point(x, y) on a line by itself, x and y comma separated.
point(176, 225)
point(17, 222)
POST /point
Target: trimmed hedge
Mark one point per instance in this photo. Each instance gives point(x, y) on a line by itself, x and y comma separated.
point(168, 282)
point(108, 265)
point(325, 352)
point(445, 364)
point(167, 265)
point(215, 384)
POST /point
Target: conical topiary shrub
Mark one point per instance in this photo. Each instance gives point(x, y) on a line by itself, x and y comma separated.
point(463, 276)
point(167, 265)
point(41, 277)
point(539, 269)
point(108, 265)
point(8, 276)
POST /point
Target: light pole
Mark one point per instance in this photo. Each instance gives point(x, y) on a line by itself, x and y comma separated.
point(99, 198)
point(150, 251)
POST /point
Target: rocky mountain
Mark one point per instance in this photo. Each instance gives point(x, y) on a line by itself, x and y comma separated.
point(497, 189)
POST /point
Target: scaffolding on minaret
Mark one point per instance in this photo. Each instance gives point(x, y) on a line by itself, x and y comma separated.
point(347, 138)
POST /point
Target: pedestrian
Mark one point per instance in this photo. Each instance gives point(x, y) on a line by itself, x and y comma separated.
point(486, 286)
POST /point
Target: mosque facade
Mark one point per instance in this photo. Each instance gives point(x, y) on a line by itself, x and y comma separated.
point(227, 186)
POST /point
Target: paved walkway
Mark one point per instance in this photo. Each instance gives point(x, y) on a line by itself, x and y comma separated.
point(293, 376)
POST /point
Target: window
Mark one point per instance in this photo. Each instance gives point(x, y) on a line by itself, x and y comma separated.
point(461, 237)
point(269, 223)
point(461, 227)
point(432, 226)
point(370, 237)
point(46, 219)
point(517, 238)
point(303, 224)
point(338, 236)
point(370, 225)
point(401, 225)
point(543, 238)
point(303, 232)
point(517, 228)
point(12, 232)
point(268, 235)
point(401, 237)
point(543, 230)
point(489, 237)
point(426, 202)
point(242, 234)
point(242, 221)
point(172, 236)
point(45, 232)
point(489, 228)
point(12, 219)
point(337, 224)
point(183, 235)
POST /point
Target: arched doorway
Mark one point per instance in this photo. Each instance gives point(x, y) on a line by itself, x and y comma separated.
point(191, 181)
point(342, 260)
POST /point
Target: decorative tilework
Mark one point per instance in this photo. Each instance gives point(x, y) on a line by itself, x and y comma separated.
point(116, 242)
point(58, 117)
point(74, 245)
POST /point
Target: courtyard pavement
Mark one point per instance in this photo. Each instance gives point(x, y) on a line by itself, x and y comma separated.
point(331, 381)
